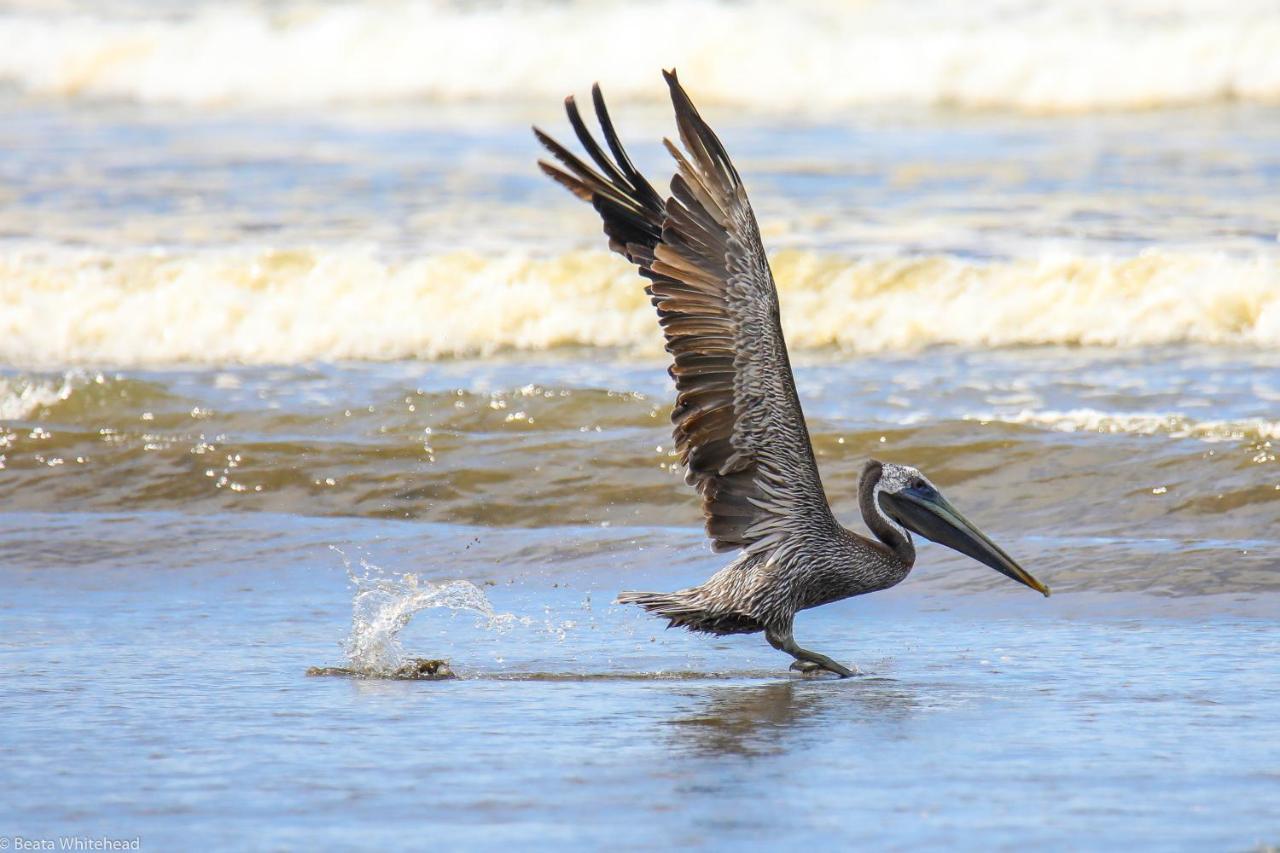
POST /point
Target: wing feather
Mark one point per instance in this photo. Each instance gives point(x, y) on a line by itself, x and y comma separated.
point(738, 425)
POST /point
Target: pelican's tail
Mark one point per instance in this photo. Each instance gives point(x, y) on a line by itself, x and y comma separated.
point(692, 609)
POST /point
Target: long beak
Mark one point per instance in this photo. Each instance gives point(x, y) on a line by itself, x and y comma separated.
point(927, 512)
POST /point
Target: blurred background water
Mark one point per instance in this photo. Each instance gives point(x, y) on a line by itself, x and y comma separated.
point(281, 277)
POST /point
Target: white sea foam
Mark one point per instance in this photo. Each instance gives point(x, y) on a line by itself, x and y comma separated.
point(20, 396)
point(66, 308)
point(819, 54)
point(1140, 423)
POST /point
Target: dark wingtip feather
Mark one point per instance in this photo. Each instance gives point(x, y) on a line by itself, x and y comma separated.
point(643, 189)
point(566, 180)
point(698, 137)
point(544, 138)
point(673, 83)
point(584, 173)
point(593, 149)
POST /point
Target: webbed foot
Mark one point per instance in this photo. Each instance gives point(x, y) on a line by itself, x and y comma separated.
point(812, 667)
point(806, 661)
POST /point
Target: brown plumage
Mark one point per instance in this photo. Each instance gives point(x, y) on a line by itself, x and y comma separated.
point(738, 425)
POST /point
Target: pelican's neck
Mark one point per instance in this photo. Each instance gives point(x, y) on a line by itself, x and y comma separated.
point(888, 531)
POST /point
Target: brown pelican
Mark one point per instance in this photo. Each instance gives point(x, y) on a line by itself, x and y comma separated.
point(739, 428)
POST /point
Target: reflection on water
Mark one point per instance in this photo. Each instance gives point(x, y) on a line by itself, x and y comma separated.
point(175, 646)
point(761, 719)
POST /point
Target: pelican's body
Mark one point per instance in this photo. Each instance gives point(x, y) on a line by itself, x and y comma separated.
point(739, 427)
point(763, 591)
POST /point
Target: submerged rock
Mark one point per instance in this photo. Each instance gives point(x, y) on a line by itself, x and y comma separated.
point(434, 670)
point(418, 669)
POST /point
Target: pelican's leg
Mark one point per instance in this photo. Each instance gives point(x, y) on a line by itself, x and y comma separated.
point(806, 661)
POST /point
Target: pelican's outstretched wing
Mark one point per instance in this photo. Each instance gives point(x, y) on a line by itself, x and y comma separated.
point(738, 424)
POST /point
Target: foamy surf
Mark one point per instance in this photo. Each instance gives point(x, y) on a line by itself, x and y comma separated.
point(21, 396)
point(1172, 424)
point(814, 55)
point(258, 307)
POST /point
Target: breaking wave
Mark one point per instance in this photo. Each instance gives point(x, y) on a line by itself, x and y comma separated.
point(1094, 54)
point(20, 396)
point(66, 308)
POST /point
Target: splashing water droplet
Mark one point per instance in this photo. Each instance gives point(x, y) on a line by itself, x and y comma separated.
point(385, 603)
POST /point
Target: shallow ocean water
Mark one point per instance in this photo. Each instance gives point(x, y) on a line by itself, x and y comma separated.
point(157, 688)
point(295, 341)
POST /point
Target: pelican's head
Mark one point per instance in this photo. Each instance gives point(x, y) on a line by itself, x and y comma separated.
point(909, 500)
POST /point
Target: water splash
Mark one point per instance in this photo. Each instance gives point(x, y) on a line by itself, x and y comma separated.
point(385, 603)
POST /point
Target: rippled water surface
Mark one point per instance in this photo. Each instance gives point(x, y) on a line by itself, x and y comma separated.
point(1086, 453)
point(168, 650)
point(168, 547)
